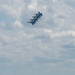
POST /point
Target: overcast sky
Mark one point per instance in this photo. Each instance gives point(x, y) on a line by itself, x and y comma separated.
point(47, 48)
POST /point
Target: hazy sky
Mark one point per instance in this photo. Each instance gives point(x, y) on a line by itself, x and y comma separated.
point(47, 48)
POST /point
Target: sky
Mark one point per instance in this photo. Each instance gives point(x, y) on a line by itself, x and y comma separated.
point(47, 48)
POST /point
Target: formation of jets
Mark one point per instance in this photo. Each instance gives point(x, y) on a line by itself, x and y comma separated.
point(35, 18)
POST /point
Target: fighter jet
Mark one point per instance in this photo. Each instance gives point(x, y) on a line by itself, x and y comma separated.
point(35, 18)
point(38, 14)
point(32, 21)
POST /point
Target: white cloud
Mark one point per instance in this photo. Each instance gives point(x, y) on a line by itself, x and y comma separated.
point(48, 45)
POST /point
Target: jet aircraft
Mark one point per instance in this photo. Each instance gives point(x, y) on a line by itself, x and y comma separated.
point(35, 18)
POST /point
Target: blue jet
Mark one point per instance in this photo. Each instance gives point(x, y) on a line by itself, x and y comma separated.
point(35, 18)
point(32, 21)
point(39, 14)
